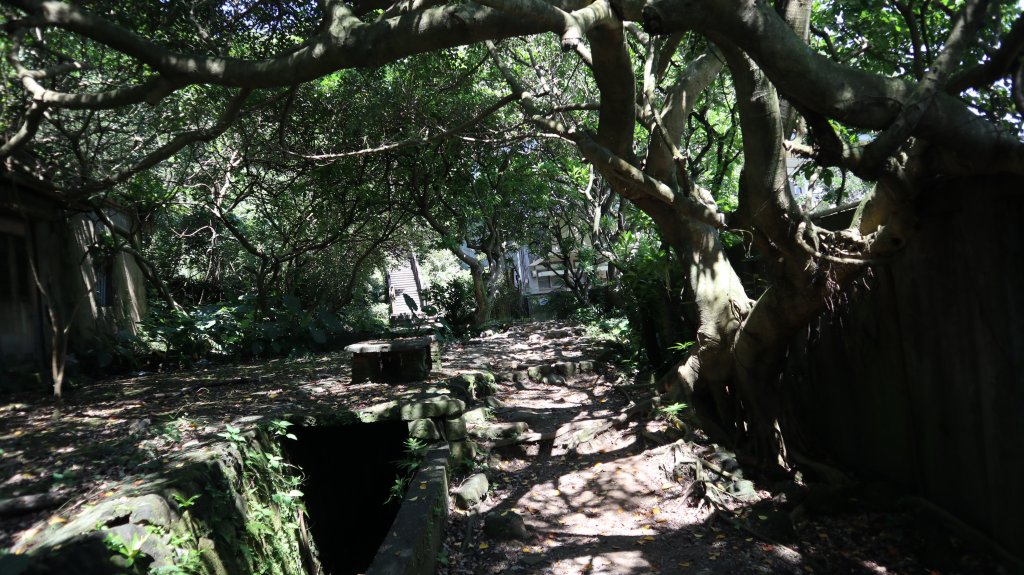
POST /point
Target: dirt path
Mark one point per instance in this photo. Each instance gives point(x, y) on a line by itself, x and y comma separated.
point(622, 504)
point(616, 504)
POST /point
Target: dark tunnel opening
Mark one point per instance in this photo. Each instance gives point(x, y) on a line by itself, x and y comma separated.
point(349, 472)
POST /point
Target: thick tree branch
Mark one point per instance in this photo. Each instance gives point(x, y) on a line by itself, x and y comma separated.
point(679, 102)
point(997, 66)
point(964, 30)
point(343, 42)
point(176, 144)
point(408, 142)
point(850, 95)
point(26, 132)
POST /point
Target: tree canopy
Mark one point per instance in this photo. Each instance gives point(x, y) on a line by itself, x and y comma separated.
point(687, 109)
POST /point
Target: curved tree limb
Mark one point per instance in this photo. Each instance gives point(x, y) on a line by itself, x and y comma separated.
point(997, 66)
point(26, 132)
point(917, 103)
point(409, 142)
point(852, 96)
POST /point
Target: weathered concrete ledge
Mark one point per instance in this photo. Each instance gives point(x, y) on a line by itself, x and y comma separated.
point(389, 345)
point(189, 518)
point(412, 543)
point(430, 419)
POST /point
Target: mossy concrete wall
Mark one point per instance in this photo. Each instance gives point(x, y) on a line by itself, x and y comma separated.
point(235, 507)
point(220, 510)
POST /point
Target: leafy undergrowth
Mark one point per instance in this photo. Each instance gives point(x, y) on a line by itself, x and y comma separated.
point(618, 503)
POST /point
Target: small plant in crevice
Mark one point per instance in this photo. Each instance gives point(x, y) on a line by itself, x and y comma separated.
point(129, 553)
point(671, 415)
point(232, 434)
point(274, 509)
point(682, 346)
point(186, 558)
point(414, 450)
point(184, 502)
point(280, 427)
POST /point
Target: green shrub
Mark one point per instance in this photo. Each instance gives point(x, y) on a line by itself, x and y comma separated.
point(236, 330)
point(455, 304)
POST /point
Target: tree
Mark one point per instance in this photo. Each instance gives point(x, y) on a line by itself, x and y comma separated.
point(899, 122)
point(483, 204)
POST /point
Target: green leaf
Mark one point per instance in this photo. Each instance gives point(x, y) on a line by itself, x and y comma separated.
point(291, 303)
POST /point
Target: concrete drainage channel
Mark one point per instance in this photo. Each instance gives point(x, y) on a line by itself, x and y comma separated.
point(349, 471)
point(231, 507)
point(414, 540)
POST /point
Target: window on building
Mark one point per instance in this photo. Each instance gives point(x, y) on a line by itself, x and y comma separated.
point(14, 270)
point(105, 284)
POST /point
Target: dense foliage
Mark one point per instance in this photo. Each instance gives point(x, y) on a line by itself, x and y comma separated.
point(272, 150)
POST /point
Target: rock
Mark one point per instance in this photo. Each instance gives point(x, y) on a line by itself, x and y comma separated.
point(743, 490)
point(534, 373)
point(472, 491)
point(151, 509)
point(139, 426)
point(424, 429)
point(564, 368)
point(553, 379)
point(474, 384)
point(493, 402)
point(441, 406)
point(153, 547)
point(478, 415)
point(499, 430)
point(464, 450)
point(455, 429)
point(506, 525)
point(521, 376)
point(585, 366)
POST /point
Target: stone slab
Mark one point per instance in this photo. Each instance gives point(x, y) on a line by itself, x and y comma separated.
point(389, 345)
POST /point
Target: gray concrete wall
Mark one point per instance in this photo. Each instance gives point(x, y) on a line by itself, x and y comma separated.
point(919, 375)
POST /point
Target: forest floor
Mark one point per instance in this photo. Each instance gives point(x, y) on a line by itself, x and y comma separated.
point(624, 502)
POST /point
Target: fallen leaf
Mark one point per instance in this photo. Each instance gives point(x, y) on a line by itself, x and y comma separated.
point(484, 545)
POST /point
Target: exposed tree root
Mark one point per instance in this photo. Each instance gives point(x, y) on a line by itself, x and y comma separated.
point(30, 503)
point(963, 530)
point(825, 472)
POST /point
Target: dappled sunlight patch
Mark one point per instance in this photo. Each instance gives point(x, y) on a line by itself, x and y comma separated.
point(614, 562)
